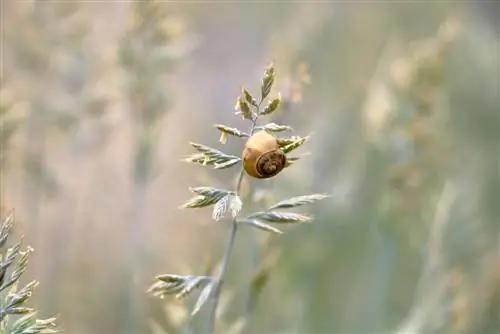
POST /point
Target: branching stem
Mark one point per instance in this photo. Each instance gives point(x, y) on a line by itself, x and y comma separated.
point(229, 247)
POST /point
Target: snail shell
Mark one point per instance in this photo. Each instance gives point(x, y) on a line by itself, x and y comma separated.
point(262, 156)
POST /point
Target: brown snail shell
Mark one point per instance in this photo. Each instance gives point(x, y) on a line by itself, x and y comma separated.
point(262, 156)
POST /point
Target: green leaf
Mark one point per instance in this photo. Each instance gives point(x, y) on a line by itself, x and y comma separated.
point(248, 97)
point(180, 286)
point(271, 106)
point(211, 157)
point(267, 81)
point(298, 201)
point(243, 109)
point(206, 196)
point(227, 164)
point(280, 217)
point(294, 144)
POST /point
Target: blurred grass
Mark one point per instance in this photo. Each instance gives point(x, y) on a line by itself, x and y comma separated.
point(401, 98)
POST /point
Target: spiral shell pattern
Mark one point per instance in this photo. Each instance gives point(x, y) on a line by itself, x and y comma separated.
point(270, 163)
point(262, 157)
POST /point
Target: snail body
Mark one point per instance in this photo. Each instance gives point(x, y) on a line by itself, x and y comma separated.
point(262, 156)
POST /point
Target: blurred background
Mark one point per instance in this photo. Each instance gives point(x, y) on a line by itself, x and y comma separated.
point(100, 99)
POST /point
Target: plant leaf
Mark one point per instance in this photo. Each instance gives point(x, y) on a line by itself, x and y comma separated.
point(227, 164)
point(287, 146)
point(206, 196)
point(298, 201)
point(190, 284)
point(280, 217)
point(231, 131)
point(248, 97)
point(261, 225)
point(220, 208)
point(267, 81)
point(243, 109)
point(179, 285)
point(208, 156)
point(271, 106)
point(208, 191)
point(235, 205)
point(274, 128)
point(203, 297)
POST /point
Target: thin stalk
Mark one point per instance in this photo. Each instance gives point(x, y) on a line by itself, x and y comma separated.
point(229, 247)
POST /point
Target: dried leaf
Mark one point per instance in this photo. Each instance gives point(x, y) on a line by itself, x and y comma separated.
point(223, 138)
point(261, 225)
point(280, 217)
point(272, 106)
point(235, 205)
point(298, 201)
point(220, 208)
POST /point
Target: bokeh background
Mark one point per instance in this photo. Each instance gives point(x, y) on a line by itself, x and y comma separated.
point(100, 99)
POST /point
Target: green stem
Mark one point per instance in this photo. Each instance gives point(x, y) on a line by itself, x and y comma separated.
point(229, 247)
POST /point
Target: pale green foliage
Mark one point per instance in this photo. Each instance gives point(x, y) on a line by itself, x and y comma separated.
point(14, 300)
point(227, 200)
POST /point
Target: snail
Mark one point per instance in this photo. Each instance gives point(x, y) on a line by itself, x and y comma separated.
point(262, 156)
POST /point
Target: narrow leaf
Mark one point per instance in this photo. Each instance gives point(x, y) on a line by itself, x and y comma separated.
point(267, 81)
point(203, 297)
point(205, 149)
point(211, 157)
point(291, 160)
point(208, 191)
point(191, 284)
point(298, 201)
point(261, 225)
point(201, 201)
point(231, 131)
point(280, 217)
point(295, 144)
point(170, 278)
point(274, 128)
point(227, 164)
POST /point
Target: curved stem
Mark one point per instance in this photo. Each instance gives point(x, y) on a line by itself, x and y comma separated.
point(229, 249)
